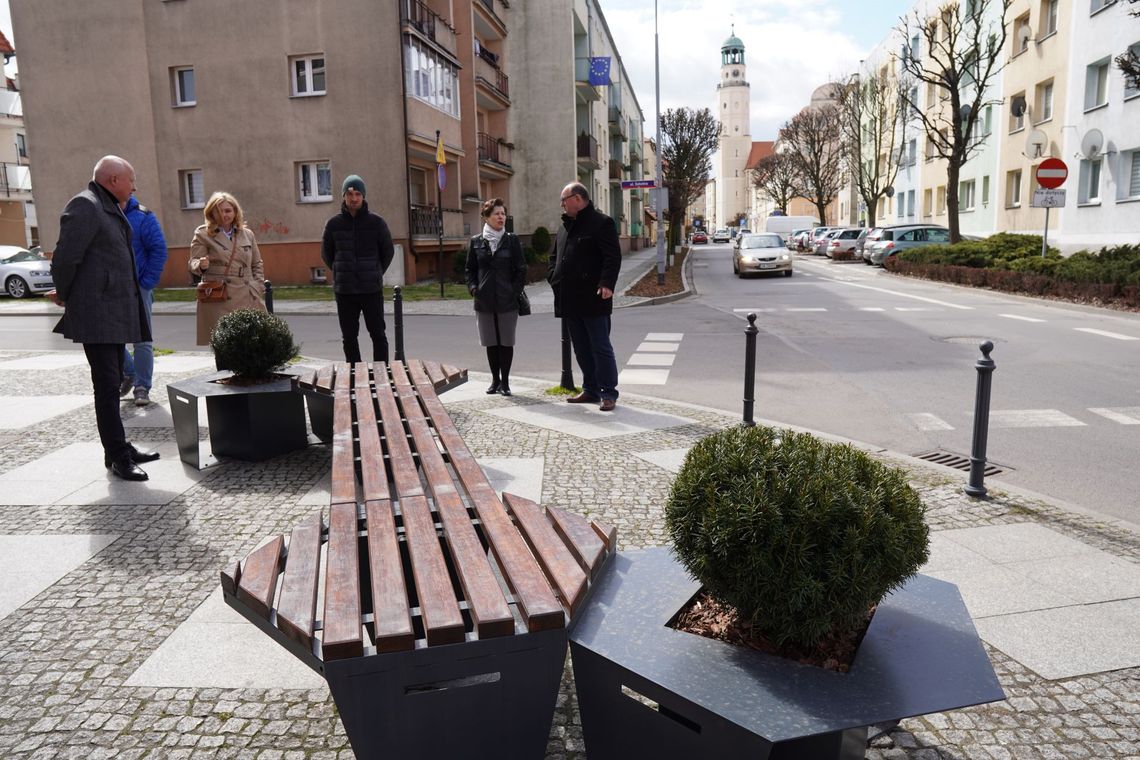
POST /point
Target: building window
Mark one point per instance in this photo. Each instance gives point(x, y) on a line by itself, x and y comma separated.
point(1096, 84)
point(308, 74)
point(1013, 189)
point(902, 206)
point(910, 202)
point(1021, 34)
point(431, 78)
point(988, 121)
point(927, 202)
point(966, 195)
point(1048, 19)
point(1134, 175)
point(1096, 6)
point(911, 152)
point(1043, 100)
point(21, 146)
point(1017, 123)
point(1131, 87)
point(986, 190)
point(940, 202)
point(192, 190)
point(1089, 189)
point(314, 182)
point(182, 82)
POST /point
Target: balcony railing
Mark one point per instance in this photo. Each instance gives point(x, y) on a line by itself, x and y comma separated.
point(589, 150)
point(429, 23)
point(493, 76)
point(615, 169)
point(490, 6)
point(425, 221)
point(15, 178)
point(491, 149)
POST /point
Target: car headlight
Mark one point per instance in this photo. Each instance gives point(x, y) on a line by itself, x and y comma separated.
point(785, 257)
point(46, 273)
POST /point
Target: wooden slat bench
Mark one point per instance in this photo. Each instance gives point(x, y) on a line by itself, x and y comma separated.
point(437, 613)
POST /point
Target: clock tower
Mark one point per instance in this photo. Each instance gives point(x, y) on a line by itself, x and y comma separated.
point(733, 111)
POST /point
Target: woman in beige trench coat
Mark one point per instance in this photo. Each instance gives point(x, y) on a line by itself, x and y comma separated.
point(224, 233)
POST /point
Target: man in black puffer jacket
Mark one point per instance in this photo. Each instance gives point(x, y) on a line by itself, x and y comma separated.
point(357, 247)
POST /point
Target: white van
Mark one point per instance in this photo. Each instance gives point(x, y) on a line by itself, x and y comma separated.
point(783, 225)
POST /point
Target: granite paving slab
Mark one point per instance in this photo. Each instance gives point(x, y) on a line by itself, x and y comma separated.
point(30, 563)
point(587, 421)
point(21, 411)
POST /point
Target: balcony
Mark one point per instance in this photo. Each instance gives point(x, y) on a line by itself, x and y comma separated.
point(488, 23)
point(618, 124)
point(418, 16)
point(589, 152)
point(425, 222)
point(494, 152)
point(16, 181)
point(616, 170)
point(494, 86)
point(587, 92)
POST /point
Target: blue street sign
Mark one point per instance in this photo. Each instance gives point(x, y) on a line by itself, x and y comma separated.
point(627, 184)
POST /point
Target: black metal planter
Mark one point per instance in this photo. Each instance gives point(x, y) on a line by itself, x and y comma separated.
point(707, 698)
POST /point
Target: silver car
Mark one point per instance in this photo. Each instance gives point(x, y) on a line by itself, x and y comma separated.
point(760, 253)
point(896, 239)
point(819, 247)
point(23, 272)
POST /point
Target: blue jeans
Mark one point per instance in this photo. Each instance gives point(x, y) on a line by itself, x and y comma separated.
point(141, 365)
point(590, 337)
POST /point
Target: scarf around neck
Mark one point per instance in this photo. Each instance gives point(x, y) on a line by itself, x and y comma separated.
point(494, 237)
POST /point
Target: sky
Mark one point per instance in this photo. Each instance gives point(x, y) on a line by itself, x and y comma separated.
point(790, 48)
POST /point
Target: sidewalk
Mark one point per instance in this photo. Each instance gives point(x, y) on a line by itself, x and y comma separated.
point(116, 642)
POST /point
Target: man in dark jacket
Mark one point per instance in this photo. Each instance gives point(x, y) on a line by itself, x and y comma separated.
point(150, 257)
point(584, 270)
point(93, 268)
point(357, 247)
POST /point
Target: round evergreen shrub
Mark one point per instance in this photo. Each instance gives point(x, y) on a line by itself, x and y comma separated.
point(253, 344)
point(802, 537)
point(540, 241)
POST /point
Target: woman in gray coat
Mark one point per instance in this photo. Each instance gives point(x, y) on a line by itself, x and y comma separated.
point(496, 274)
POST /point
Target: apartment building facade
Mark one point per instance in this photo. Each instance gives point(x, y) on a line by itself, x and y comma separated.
point(18, 225)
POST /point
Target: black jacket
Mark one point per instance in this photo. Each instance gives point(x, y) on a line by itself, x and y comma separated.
point(586, 257)
point(497, 277)
point(358, 250)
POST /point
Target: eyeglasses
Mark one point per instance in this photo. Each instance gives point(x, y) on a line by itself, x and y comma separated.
point(565, 198)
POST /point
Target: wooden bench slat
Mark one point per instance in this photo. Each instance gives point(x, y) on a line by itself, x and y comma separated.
point(297, 604)
point(392, 621)
point(231, 575)
point(404, 475)
point(307, 379)
point(537, 603)
point(607, 533)
point(443, 622)
point(342, 630)
point(343, 453)
point(485, 601)
point(438, 379)
point(324, 380)
point(259, 576)
point(561, 567)
point(372, 472)
point(454, 373)
point(586, 545)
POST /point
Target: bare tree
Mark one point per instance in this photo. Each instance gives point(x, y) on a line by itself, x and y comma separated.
point(776, 177)
point(873, 116)
point(1129, 62)
point(962, 51)
point(688, 141)
point(812, 143)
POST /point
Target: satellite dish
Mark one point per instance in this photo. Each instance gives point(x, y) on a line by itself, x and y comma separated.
point(889, 191)
point(1035, 143)
point(1092, 144)
point(1017, 106)
point(1023, 37)
point(964, 113)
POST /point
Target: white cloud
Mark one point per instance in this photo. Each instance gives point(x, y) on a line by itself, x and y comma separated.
point(790, 48)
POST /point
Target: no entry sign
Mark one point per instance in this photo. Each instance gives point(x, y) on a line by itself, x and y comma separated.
point(1052, 173)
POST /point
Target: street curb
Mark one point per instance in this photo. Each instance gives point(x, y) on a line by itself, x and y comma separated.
point(686, 286)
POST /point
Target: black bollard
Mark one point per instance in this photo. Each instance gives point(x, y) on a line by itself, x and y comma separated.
point(985, 367)
point(398, 308)
point(750, 370)
point(269, 296)
point(567, 373)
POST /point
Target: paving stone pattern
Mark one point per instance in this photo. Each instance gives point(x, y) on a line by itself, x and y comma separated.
point(67, 653)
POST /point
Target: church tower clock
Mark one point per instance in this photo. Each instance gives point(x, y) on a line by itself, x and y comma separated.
point(733, 111)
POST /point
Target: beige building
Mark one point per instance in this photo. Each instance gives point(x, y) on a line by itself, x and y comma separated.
point(17, 211)
point(734, 108)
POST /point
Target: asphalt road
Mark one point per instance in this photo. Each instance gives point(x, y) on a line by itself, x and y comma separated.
point(848, 350)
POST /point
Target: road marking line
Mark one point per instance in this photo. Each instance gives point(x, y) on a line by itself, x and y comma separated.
point(1032, 418)
point(667, 337)
point(912, 308)
point(1023, 319)
point(1105, 333)
point(925, 421)
point(871, 308)
point(1125, 415)
point(648, 347)
point(904, 295)
point(811, 309)
point(749, 311)
point(652, 360)
point(643, 377)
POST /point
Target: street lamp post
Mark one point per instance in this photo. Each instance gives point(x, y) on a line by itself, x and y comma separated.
point(660, 190)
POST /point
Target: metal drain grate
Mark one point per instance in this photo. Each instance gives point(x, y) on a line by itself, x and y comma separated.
point(958, 461)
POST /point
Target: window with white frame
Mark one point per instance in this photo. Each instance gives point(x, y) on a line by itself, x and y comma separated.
point(192, 190)
point(910, 203)
point(1096, 84)
point(940, 200)
point(986, 190)
point(1131, 86)
point(911, 152)
point(1043, 102)
point(914, 52)
point(431, 78)
point(914, 100)
point(1021, 34)
point(966, 195)
point(927, 202)
point(1048, 18)
point(182, 86)
point(21, 146)
point(314, 181)
point(1134, 175)
point(1095, 6)
point(1013, 188)
point(988, 121)
point(1089, 188)
point(902, 206)
point(308, 75)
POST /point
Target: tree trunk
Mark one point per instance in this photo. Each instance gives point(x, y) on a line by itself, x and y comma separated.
point(822, 209)
point(952, 173)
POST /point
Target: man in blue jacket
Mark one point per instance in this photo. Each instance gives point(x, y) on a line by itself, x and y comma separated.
point(150, 257)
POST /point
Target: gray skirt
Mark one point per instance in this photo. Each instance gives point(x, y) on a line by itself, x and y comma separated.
point(507, 321)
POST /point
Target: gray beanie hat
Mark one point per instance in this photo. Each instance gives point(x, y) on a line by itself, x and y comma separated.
point(354, 182)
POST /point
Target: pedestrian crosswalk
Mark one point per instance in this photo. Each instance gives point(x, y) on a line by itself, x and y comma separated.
point(650, 363)
point(1028, 418)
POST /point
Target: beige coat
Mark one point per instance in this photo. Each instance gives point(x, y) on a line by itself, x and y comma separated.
point(245, 284)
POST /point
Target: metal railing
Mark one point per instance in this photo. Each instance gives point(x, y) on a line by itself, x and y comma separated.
point(425, 221)
point(588, 148)
point(616, 169)
point(418, 15)
point(15, 178)
point(491, 149)
point(493, 76)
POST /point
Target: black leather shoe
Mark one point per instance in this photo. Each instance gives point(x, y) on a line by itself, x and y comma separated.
point(505, 389)
point(128, 470)
point(136, 456)
point(494, 388)
point(583, 398)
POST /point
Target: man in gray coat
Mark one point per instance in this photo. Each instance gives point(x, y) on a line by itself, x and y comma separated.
point(93, 268)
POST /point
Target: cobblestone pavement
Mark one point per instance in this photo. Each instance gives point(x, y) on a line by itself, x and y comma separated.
point(68, 652)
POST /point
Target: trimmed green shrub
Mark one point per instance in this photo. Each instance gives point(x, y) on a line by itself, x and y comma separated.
point(540, 241)
point(253, 344)
point(801, 536)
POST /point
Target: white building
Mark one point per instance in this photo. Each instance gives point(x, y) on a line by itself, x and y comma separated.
point(733, 195)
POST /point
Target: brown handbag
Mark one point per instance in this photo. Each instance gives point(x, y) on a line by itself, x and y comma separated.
point(215, 292)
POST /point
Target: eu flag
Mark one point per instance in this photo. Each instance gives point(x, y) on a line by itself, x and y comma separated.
point(600, 70)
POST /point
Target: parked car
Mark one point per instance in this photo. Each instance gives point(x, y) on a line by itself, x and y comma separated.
point(792, 240)
point(843, 240)
point(700, 237)
point(896, 239)
point(861, 241)
point(801, 241)
point(819, 247)
point(873, 236)
point(813, 236)
point(760, 253)
point(721, 236)
point(23, 272)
